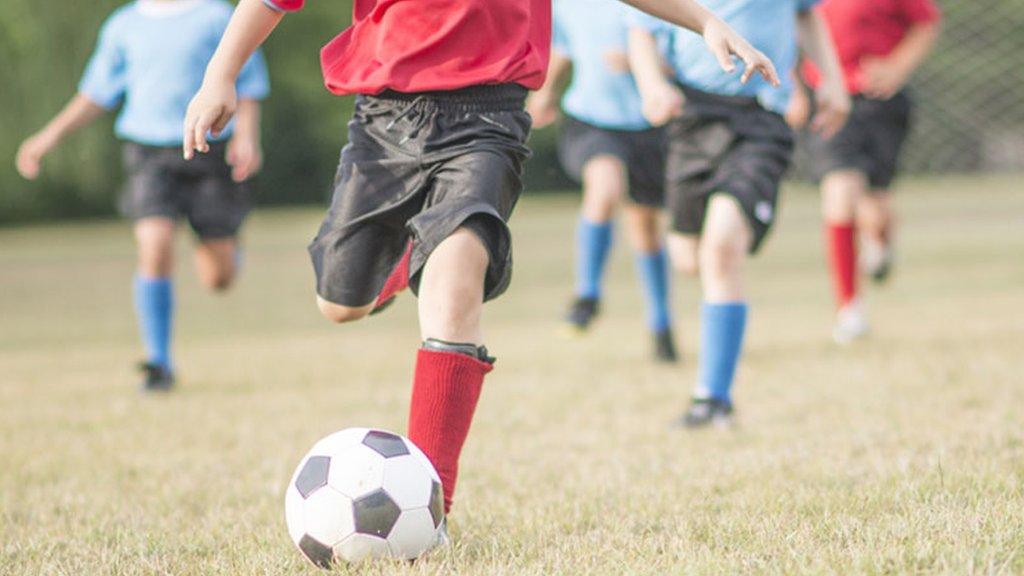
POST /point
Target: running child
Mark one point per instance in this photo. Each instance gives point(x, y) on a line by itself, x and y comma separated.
point(729, 147)
point(431, 171)
point(880, 45)
point(151, 56)
point(608, 145)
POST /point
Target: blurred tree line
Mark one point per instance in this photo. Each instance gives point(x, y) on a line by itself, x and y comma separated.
point(970, 92)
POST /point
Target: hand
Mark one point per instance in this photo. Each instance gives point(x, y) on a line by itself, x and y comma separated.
point(799, 110)
point(882, 77)
point(724, 42)
point(662, 102)
point(30, 155)
point(210, 111)
point(244, 156)
point(543, 109)
point(833, 108)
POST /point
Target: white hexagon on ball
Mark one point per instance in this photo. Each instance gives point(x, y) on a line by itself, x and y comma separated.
point(358, 471)
point(413, 534)
point(328, 516)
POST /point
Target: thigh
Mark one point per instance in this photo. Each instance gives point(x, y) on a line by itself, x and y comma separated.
point(215, 205)
point(695, 151)
point(151, 183)
point(646, 168)
point(889, 127)
point(846, 150)
point(579, 143)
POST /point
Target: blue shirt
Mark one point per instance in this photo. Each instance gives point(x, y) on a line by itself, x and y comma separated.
point(770, 25)
point(593, 34)
point(152, 56)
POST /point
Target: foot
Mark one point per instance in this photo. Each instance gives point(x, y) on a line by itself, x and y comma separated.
point(708, 412)
point(851, 324)
point(665, 347)
point(876, 261)
point(157, 378)
point(582, 313)
point(443, 540)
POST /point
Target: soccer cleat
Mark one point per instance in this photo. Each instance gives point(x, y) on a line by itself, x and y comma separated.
point(665, 347)
point(157, 378)
point(396, 282)
point(582, 313)
point(443, 540)
point(876, 260)
point(707, 412)
point(851, 324)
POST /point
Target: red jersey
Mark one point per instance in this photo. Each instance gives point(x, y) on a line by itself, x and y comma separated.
point(863, 28)
point(436, 45)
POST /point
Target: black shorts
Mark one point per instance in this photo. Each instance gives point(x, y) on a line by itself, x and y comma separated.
point(729, 145)
point(162, 183)
point(416, 168)
point(642, 152)
point(870, 142)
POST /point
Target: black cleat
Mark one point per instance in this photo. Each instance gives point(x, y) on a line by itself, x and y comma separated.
point(707, 411)
point(665, 347)
point(157, 378)
point(582, 313)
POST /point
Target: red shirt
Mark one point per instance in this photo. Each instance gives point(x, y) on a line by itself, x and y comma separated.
point(422, 45)
point(863, 28)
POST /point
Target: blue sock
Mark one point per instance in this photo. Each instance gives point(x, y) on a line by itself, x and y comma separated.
point(721, 339)
point(593, 242)
point(154, 304)
point(653, 270)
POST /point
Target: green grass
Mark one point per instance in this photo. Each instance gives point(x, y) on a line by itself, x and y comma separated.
point(901, 455)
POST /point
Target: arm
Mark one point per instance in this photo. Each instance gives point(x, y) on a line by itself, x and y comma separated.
point(542, 105)
point(215, 103)
point(831, 98)
point(78, 113)
point(884, 77)
point(722, 40)
point(799, 108)
point(244, 153)
point(662, 101)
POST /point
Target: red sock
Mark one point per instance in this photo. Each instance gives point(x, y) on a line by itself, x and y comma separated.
point(445, 390)
point(843, 258)
point(397, 281)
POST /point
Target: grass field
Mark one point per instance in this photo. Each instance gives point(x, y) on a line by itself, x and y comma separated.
point(901, 455)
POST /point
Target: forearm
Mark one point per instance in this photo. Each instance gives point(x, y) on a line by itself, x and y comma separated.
point(915, 47)
point(250, 25)
point(78, 113)
point(558, 68)
point(816, 44)
point(247, 120)
point(644, 60)
point(686, 13)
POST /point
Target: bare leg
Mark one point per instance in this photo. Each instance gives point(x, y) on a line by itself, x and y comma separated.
point(451, 291)
point(683, 250)
point(604, 184)
point(154, 240)
point(723, 250)
point(216, 263)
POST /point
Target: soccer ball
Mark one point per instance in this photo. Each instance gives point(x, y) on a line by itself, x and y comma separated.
point(361, 494)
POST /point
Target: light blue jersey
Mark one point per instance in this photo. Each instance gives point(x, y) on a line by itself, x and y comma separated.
point(152, 56)
point(593, 34)
point(770, 25)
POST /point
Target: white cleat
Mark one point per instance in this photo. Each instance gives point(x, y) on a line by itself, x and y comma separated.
point(851, 324)
point(876, 260)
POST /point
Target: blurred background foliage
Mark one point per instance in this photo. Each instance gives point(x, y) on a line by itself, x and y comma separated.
point(971, 114)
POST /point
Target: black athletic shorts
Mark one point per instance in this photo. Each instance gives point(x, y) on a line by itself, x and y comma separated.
point(729, 145)
point(642, 152)
point(417, 167)
point(162, 183)
point(870, 142)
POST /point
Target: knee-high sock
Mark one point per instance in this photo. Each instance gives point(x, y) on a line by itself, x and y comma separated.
point(154, 305)
point(398, 280)
point(842, 252)
point(445, 391)
point(653, 270)
point(593, 242)
point(721, 334)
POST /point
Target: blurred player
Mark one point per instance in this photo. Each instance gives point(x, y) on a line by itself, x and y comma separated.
point(608, 145)
point(728, 149)
point(880, 45)
point(431, 171)
point(151, 55)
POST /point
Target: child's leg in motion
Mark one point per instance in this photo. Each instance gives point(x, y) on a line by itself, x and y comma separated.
point(841, 190)
point(451, 365)
point(652, 267)
point(604, 182)
point(217, 263)
point(875, 222)
point(154, 297)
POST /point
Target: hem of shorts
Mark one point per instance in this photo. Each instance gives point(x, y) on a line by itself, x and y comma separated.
point(756, 242)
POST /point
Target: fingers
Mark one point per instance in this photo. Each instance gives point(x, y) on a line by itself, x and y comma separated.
point(188, 143)
point(724, 56)
point(760, 64)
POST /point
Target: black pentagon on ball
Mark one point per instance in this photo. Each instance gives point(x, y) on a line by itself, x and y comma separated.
point(313, 475)
point(317, 553)
point(375, 514)
point(386, 444)
point(436, 503)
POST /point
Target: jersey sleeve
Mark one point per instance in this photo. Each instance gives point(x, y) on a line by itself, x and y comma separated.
point(285, 5)
point(104, 79)
point(921, 11)
point(254, 81)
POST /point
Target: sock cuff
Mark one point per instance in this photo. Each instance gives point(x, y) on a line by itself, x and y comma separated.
point(725, 307)
point(157, 281)
point(606, 225)
point(450, 362)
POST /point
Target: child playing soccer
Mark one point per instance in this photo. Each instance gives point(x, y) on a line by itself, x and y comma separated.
point(431, 170)
point(727, 153)
point(880, 45)
point(151, 56)
point(608, 145)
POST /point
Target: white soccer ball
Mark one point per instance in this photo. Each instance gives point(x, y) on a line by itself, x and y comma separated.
point(361, 494)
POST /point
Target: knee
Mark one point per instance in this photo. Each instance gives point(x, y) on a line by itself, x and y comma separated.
point(218, 282)
point(722, 256)
point(686, 265)
point(340, 314)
